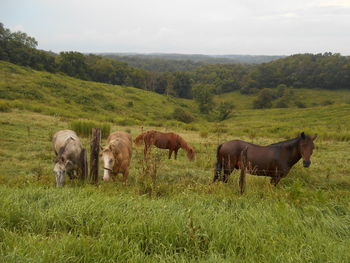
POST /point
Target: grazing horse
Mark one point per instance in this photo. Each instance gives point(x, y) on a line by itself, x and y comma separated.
point(70, 156)
point(273, 160)
point(117, 155)
point(162, 140)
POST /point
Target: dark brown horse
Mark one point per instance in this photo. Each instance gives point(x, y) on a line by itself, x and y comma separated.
point(274, 160)
point(162, 140)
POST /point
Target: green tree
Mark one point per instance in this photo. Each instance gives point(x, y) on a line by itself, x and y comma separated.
point(182, 85)
point(264, 99)
point(224, 110)
point(73, 64)
point(203, 95)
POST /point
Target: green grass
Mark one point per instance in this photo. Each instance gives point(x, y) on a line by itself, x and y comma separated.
point(56, 94)
point(177, 216)
point(174, 213)
point(83, 128)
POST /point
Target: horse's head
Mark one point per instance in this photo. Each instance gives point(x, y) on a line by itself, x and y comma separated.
point(108, 161)
point(306, 148)
point(191, 153)
point(62, 166)
point(138, 140)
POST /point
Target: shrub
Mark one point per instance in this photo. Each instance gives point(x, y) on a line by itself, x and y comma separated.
point(203, 134)
point(4, 107)
point(127, 122)
point(83, 128)
point(130, 104)
point(183, 116)
point(224, 110)
point(327, 102)
point(263, 100)
point(300, 104)
point(281, 103)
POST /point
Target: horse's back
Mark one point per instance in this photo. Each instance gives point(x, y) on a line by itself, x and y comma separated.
point(60, 138)
point(233, 147)
point(122, 142)
point(119, 135)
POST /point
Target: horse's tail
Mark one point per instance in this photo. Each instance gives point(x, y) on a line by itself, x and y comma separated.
point(218, 166)
point(83, 164)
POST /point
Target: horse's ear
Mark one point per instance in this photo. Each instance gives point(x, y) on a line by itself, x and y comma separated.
point(302, 135)
point(313, 137)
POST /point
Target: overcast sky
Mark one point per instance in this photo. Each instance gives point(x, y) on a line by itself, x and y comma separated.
point(257, 27)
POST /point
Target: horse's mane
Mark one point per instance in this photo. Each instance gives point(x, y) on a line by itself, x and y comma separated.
point(183, 143)
point(287, 143)
point(186, 147)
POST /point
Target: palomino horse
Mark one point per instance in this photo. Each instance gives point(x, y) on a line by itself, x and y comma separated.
point(70, 155)
point(117, 155)
point(274, 160)
point(162, 140)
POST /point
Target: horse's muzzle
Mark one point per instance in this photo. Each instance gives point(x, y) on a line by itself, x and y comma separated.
point(306, 164)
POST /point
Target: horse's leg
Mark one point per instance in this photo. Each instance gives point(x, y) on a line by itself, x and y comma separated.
point(276, 178)
point(170, 153)
point(125, 176)
point(175, 151)
point(229, 166)
point(227, 172)
point(145, 150)
point(218, 169)
point(71, 174)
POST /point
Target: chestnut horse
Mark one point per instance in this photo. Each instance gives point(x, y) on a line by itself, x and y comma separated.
point(274, 160)
point(162, 140)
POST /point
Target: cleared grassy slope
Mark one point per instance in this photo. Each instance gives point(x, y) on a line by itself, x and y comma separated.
point(310, 97)
point(56, 94)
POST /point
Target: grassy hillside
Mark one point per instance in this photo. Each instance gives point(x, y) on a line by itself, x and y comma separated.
point(68, 98)
point(56, 94)
point(311, 98)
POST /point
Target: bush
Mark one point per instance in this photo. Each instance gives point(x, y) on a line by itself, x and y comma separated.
point(281, 103)
point(130, 104)
point(300, 104)
point(264, 99)
point(83, 128)
point(183, 116)
point(203, 134)
point(224, 110)
point(127, 122)
point(327, 102)
point(4, 107)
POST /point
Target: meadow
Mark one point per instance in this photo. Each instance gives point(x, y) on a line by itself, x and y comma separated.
point(169, 211)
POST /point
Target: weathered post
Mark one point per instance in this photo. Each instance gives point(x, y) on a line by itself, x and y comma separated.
point(95, 151)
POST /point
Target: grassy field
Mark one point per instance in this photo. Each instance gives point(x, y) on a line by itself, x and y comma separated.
point(173, 213)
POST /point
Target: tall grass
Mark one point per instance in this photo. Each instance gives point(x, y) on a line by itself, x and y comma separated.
point(83, 128)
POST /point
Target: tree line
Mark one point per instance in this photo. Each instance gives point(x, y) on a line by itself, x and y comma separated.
point(312, 71)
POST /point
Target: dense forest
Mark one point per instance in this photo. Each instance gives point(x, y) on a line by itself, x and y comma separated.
point(313, 71)
point(162, 62)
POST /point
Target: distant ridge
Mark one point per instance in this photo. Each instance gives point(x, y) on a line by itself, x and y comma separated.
point(206, 59)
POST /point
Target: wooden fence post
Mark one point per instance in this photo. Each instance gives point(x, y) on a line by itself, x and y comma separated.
point(95, 151)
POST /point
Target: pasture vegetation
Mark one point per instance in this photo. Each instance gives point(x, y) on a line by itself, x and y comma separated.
point(169, 211)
